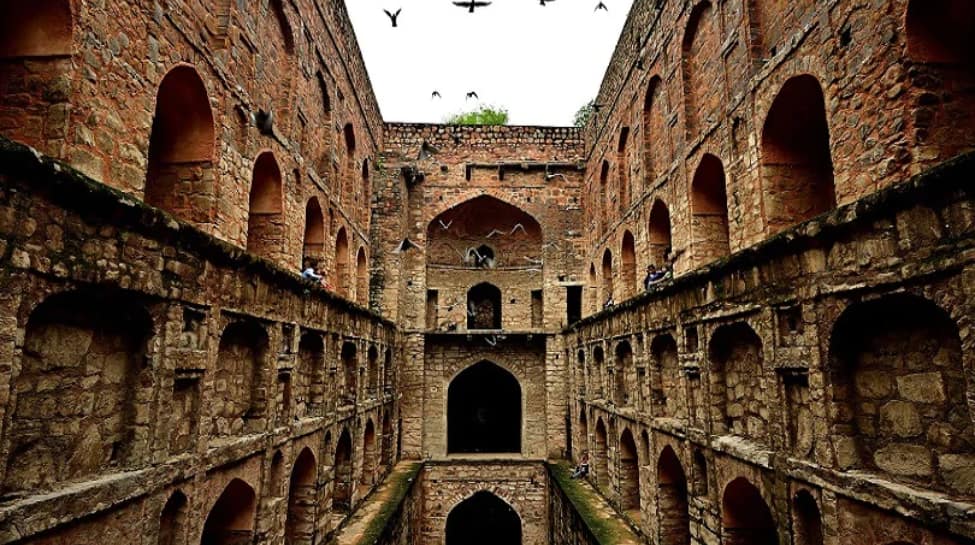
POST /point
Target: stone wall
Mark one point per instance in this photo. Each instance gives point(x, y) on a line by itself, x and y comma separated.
point(148, 364)
point(822, 369)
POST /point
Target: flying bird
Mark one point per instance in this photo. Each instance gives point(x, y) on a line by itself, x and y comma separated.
point(544, 2)
point(471, 95)
point(472, 4)
point(426, 151)
point(447, 225)
point(393, 16)
point(517, 227)
point(492, 340)
point(550, 177)
point(601, 6)
point(435, 94)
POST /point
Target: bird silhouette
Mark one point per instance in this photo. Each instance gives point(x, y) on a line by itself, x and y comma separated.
point(544, 2)
point(601, 6)
point(550, 177)
point(435, 94)
point(471, 5)
point(426, 151)
point(405, 246)
point(471, 95)
point(447, 225)
point(393, 16)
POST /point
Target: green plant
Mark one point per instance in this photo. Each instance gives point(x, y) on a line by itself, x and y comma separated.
point(584, 114)
point(485, 115)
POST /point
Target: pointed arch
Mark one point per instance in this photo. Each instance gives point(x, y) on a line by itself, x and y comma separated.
point(673, 515)
point(314, 241)
point(372, 367)
point(484, 410)
point(484, 307)
point(709, 212)
point(608, 292)
point(628, 262)
point(387, 454)
point(172, 520)
point(623, 167)
point(600, 456)
point(807, 521)
point(629, 475)
point(350, 373)
point(342, 495)
point(797, 168)
point(231, 519)
point(342, 272)
point(483, 519)
point(660, 233)
point(602, 197)
point(593, 290)
point(656, 137)
point(265, 220)
point(180, 176)
point(302, 500)
point(369, 454)
point(625, 373)
point(745, 516)
point(362, 277)
point(476, 223)
point(699, 50)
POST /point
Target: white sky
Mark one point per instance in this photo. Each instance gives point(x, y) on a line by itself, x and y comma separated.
point(541, 63)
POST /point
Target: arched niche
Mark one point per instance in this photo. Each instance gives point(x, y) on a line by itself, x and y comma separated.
point(313, 247)
point(484, 411)
point(231, 519)
point(265, 219)
point(659, 230)
point(484, 307)
point(673, 516)
point(628, 262)
point(342, 272)
point(302, 500)
point(483, 519)
point(513, 235)
point(709, 212)
point(745, 516)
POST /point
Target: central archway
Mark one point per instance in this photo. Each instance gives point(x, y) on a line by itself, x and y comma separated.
point(484, 411)
point(483, 519)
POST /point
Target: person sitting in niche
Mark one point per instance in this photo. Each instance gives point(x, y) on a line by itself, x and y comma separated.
point(582, 470)
point(309, 273)
point(653, 276)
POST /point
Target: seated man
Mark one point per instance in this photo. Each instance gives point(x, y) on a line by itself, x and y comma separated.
point(309, 273)
point(654, 275)
point(582, 469)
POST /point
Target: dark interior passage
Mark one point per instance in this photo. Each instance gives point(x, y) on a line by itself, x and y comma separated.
point(483, 519)
point(484, 411)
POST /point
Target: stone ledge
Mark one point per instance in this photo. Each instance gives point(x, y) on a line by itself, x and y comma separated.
point(372, 517)
point(602, 521)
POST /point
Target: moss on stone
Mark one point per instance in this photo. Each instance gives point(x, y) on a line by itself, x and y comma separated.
point(608, 530)
point(400, 484)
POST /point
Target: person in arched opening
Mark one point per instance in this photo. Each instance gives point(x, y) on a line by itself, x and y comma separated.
point(582, 470)
point(309, 273)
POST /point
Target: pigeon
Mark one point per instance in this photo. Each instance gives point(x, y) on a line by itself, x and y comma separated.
point(435, 94)
point(426, 151)
point(550, 177)
point(393, 16)
point(405, 246)
point(265, 122)
point(471, 95)
point(471, 5)
point(447, 225)
point(492, 340)
point(601, 6)
point(544, 2)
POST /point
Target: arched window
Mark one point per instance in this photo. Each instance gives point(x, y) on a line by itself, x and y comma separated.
point(314, 245)
point(342, 272)
point(656, 136)
point(673, 518)
point(659, 229)
point(624, 370)
point(366, 191)
point(323, 130)
point(598, 368)
point(180, 177)
point(483, 519)
point(172, 520)
point(484, 307)
point(797, 169)
point(735, 352)
point(600, 456)
point(387, 447)
point(231, 519)
point(628, 260)
point(372, 363)
point(807, 519)
point(349, 133)
point(745, 517)
point(897, 369)
point(484, 411)
point(41, 33)
point(74, 353)
point(593, 290)
point(629, 475)
point(265, 223)
point(302, 500)
point(608, 295)
point(362, 277)
point(699, 55)
point(941, 49)
point(603, 197)
point(623, 166)
point(369, 454)
point(350, 373)
point(709, 212)
point(342, 496)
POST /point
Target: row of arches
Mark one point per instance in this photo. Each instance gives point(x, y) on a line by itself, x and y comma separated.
point(797, 182)
point(311, 491)
point(183, 171)
point(85, 375)
point(880, 354)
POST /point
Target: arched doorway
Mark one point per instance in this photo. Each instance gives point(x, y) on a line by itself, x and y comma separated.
point(180, 178)
point(368, 454)
point(629, 475)
point(797, 168)
point(709, 211)
point(807, 521)
point(484, 411)
point(745, 517)
point(673, 519)
point(659, 233)
point(172, 520)
point(600, 456)
point(265, 220)
point(484, 307)
point(628, 261)
point(361, 278)
point(342, 496)
point(231, 520)
point(483, 519)
point(313, 249)
point(300, 524)
point(342, 279)
point(608, 295)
